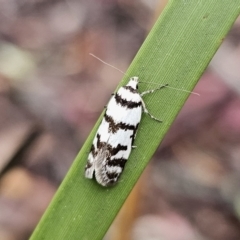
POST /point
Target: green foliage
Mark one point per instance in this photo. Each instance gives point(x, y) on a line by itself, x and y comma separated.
point(176, 51)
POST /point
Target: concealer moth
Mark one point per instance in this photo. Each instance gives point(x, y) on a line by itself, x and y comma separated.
point(115, 136)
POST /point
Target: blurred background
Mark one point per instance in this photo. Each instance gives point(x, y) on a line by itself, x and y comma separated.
point(52, 92)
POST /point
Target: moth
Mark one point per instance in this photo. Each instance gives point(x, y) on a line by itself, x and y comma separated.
point(115, 136)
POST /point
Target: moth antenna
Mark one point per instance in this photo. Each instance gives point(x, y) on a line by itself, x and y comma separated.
point(91, 54)
point(108, 64)
point(183, 90)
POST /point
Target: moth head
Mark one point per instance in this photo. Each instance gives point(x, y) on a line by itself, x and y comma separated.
point(133, 82)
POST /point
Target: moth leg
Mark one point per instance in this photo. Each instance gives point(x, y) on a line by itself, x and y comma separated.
point(151, 91)
point(134, 146)
point(146, 111)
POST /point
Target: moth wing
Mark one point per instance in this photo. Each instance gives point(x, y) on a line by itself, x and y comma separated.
point(95, 152)
point(89, 169)
point(100, 167)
